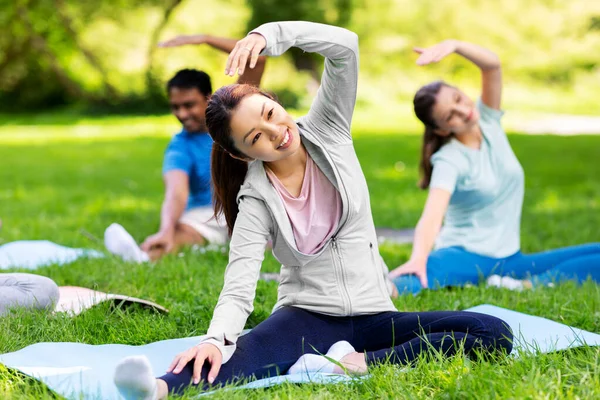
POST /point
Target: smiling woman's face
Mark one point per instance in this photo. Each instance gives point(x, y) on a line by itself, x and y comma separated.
point(263, 130)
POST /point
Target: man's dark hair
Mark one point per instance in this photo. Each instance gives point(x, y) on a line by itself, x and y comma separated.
point(189, 79)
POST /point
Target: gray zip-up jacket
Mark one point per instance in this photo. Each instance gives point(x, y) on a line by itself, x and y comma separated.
point(347, 276)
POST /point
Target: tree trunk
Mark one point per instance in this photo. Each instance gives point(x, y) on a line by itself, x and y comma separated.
point(151, 83)
point(40, 44)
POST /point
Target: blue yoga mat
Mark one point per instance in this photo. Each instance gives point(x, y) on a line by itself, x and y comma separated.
point(81, 371)
point(32, 254)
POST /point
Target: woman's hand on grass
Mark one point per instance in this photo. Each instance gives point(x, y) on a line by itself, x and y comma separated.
point(201, 353)
point(247, 48)
point(412, 267)
point(436, 52)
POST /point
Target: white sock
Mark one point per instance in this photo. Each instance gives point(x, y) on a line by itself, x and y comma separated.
point(319, 363)
point(134, 378)
point(494, 281)
point(511, 283)
point(505, 282)
point(119, 242)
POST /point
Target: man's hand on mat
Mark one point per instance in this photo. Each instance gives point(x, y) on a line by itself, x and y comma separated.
point(412, 267)
point(436, 52)
point(248, 47)
point(202, 352)
point(162, 239)
point(183, 40)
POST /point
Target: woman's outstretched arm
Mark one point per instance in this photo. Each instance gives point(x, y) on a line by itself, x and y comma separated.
point(487, 61)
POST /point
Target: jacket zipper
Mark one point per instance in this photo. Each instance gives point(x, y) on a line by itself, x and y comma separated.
point(340, 266)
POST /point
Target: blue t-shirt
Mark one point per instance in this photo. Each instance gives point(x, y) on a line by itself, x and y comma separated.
point(487, 187)
point(190, 153)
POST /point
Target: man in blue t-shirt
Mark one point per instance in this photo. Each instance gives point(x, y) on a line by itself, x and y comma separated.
point(187, 215)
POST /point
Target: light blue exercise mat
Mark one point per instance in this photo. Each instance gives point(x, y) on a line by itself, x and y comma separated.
point(81, 371)
point(33, 254)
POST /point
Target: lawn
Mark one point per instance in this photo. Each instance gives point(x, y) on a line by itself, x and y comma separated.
point(67, 181)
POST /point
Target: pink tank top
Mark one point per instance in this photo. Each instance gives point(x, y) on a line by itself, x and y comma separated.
point(315, 213)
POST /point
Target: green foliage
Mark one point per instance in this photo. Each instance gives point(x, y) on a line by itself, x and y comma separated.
point(333, 12)
point(595, 23)
point(288, 98)
point(46, 62)
point(102, 54)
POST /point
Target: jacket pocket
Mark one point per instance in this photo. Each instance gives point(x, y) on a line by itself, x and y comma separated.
point(290, 284)
point(377, 264)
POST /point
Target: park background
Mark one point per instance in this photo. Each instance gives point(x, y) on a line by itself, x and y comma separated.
point(101, 56)
point(84, 122)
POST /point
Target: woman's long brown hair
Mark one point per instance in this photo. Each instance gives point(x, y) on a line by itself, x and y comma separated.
point(423, 103)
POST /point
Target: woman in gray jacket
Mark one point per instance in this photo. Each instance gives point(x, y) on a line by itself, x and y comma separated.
point(300, 184)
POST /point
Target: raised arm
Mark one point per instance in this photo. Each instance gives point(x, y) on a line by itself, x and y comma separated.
point(427, 229)
point(226, 45)
point(331, 111)
point(487, 61)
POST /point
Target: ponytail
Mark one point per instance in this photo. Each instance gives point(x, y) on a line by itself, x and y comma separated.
point(431, 143)
point(423, 103)
point(228, 174)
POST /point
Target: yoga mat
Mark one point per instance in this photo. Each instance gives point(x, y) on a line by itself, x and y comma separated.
point(534, 334)
point(398, 236)
point(74, 300)
point(81, 371)
point(32, 254)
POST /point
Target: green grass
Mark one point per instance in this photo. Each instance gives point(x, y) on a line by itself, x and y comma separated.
point(59, 184)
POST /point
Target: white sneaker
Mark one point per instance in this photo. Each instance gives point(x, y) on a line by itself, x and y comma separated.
point(119, 242)
point(494, 281)
point(505, 282)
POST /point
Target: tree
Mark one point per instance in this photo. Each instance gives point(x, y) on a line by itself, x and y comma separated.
point(155, 88)
point(43, 39)
point(333, 12)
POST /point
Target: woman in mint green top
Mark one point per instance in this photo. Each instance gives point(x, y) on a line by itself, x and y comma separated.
point(476, 185)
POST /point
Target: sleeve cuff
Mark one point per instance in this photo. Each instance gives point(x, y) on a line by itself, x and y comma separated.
point(226, 350)
point(438, 185)
point(262, 31)
point(488, 111)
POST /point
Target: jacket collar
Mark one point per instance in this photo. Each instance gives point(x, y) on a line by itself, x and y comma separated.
point(257, 185)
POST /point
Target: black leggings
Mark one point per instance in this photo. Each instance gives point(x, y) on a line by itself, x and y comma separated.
point(275, 345)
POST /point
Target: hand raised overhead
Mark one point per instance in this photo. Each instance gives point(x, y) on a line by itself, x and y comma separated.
point(436, 52)
point(247, 48)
